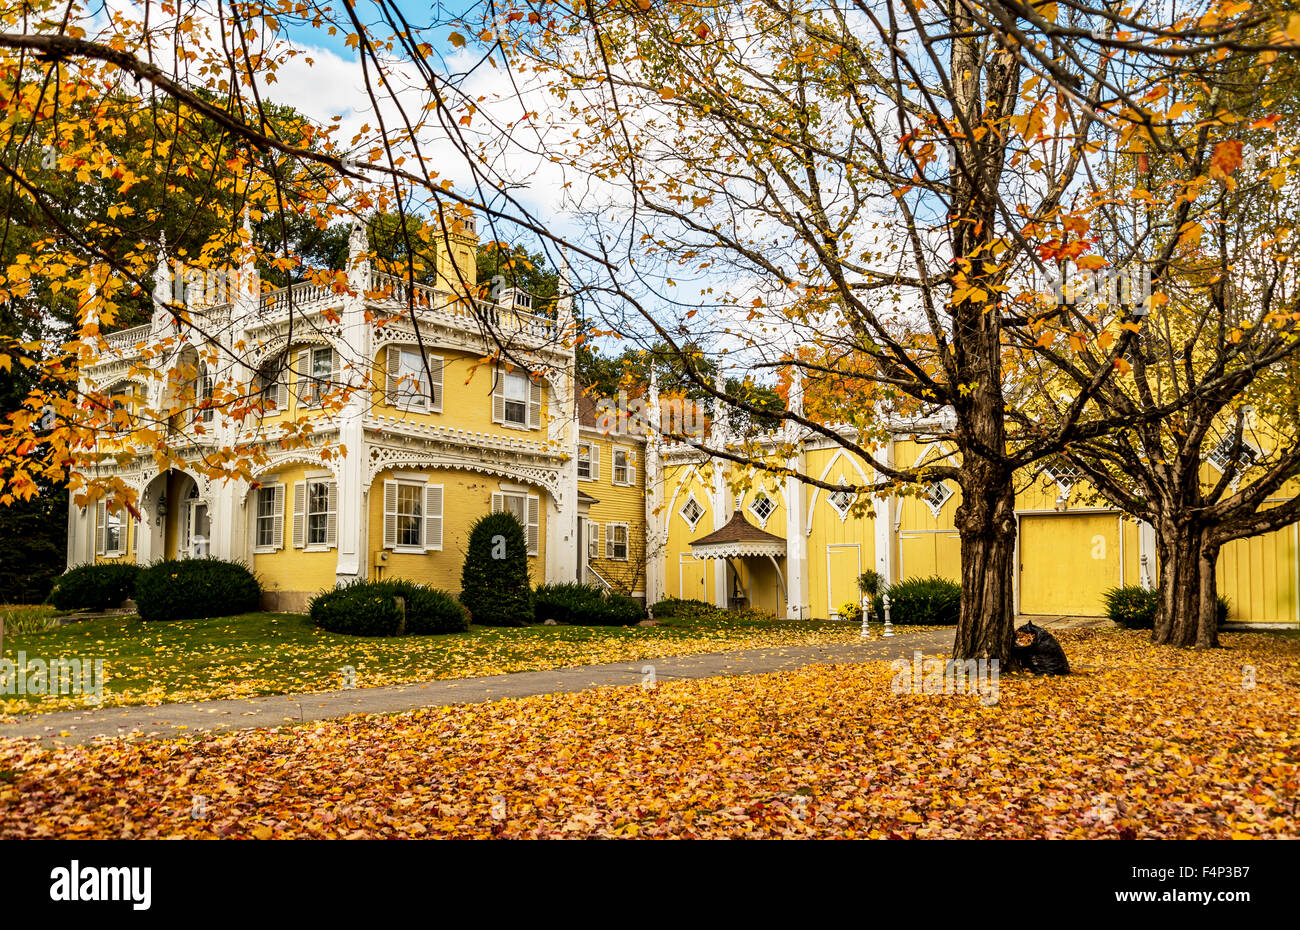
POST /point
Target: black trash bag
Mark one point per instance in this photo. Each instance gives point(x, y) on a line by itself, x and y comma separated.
point(1042, 654)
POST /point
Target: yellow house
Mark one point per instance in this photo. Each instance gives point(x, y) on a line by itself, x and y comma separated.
point(734, 536)
point(414, 434)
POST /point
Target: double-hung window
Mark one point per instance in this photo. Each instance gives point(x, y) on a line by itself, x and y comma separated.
point(414, 381)
point(316, 374)
point(587, 467)
point(616, 542)
point(318, 512)
point(412, 514)
point(527, 510)
point(315, 513)
point(624, 471)
point(515, 389)
point(268, 532)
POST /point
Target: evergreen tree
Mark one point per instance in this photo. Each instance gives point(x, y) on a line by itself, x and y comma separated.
point(494, 581)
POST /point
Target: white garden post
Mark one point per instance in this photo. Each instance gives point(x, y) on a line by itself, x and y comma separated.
point(889, 630)
point(866, 616)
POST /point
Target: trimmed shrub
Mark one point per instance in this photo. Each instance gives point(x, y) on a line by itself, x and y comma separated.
point(370, 608)
point(190, 589)
point(94, 587)
point(851, 611)
point(685, 608)
point(585, 605)
point(494, 580)
point(930, 601)
point(1134, 607)
point(357, 609)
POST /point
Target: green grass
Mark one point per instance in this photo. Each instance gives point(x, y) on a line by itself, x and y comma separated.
point(27, 618)
point(257, 654)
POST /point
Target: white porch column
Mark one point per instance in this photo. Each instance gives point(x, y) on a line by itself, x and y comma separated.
point(798, 604)
point(722, 502)
point(1147, 555)
point(562, 432)
point(355, 363)
point(655, 514)
point(885, 508)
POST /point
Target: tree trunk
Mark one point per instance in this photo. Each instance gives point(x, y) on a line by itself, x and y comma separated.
point(1178, 612)
point(1207, 627)
point(986, 521)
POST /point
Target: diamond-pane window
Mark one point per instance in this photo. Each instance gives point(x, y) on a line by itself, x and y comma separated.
point(936, 495)
point(841, 500)
point(692, 511)
point(762, 506)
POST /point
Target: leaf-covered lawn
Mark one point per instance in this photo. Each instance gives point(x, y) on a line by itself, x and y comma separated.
point(157, 663)
point(1139, 742)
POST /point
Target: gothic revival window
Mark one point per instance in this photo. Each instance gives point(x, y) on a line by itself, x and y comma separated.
point(936, 495)
point(762, 507)
point(692, 511)
point(841, 500)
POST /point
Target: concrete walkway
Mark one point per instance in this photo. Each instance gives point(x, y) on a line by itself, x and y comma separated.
point(171, 720)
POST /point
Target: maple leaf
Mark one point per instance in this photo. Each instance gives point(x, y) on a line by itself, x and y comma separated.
point(1226, 159)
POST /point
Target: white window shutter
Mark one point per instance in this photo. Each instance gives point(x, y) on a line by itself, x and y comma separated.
point(277, 516)
point(101, 528)
point(498, 395)
point(433, 516)
point(595, 461)
point(299, 514)
point(535, 403)
point(609, 541)
point(303, 372)
point(280, 390)
point(332, 514)
point(336, 372)
point(631, 468)
point(392, 369)
point(534, 524)
point(593, 547)
point(390, 514)
point(498, 502)
point(435, 383)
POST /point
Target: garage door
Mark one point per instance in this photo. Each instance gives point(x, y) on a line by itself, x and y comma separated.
point(1067, 561)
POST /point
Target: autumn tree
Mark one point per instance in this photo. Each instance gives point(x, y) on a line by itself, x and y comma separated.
point(1212, 209)
point(898, 163)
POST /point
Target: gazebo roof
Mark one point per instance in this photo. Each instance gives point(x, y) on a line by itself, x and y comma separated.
point(738, 537)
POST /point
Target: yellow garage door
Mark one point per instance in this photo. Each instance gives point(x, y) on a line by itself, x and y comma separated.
point(843, 566)
point(1067, 561)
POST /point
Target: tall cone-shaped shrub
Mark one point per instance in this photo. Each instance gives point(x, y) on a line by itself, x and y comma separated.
point(494, 581)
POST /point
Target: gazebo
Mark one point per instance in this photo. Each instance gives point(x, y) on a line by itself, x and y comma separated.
point(740, 539)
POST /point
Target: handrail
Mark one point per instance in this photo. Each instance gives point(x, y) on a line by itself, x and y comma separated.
point(601, 578)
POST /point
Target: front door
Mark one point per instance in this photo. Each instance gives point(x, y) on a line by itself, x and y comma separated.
point(195, 531)
point(843, 566)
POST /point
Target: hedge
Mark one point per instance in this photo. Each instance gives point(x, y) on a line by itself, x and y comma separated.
point(371, 608)
point(190, 589)
point(932, 601)
point(94, 587)
point(685, 608)
point(1134, 607)
point(585, 605)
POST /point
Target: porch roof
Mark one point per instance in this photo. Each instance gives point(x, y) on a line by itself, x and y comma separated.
point(736, 539)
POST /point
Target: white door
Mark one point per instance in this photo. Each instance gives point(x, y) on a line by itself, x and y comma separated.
point(195, 532)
